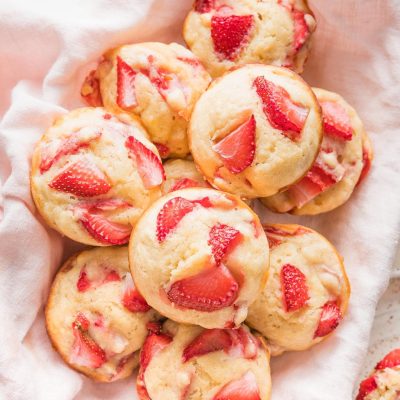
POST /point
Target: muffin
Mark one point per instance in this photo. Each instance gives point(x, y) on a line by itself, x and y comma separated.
point(189, 362)
point(307, 291)
point(199, 256)
point(256, 131)
point(158, 82)
point(95, 317)
point(229, 33)
point(93, 174)
point(181, 174)
point(337, 169)
point(384, 382)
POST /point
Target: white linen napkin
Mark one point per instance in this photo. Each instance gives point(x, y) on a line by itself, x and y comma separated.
point(47, 47)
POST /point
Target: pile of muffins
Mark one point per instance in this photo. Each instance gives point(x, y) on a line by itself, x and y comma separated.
point(157, 172)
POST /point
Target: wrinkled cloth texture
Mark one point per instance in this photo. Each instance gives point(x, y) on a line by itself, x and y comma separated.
point(47, 47)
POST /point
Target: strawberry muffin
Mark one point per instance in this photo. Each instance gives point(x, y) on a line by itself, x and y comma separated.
point(338, 167)
point(384, 382)
point(181, 174)
point(93, 174)
point(200, 256)
point(228, 33)
point(95, 317)
point(158, 82)
point(307, 291)
point(182, 362)
point(256, 130)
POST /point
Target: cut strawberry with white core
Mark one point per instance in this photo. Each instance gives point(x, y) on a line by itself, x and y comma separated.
point(336, 121)
point(131, 298)
point(281, 111)
point(237, 149)
point(366, 387)
point(126, 91)
point(294, 288)
point(91, 279)
point(230, 34)
point(244, 388)
point(329, 320)
point(212, 289)
point(223, 239)
point(82, 178)
point(148, 164)
point(301, 30)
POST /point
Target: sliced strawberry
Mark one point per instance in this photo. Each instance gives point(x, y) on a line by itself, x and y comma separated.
point(223, 239)
point(230, 33)
point(85, 351)
point(275, 235)
point(204, 6)
point(83, 283)
point(70, 145)
point(90, 90)
point(82, 178)
point(281, 111)
point(248, 342)
point(162, 149)
point(102, 276)
point(367, 161)
point(148, 164)
point(366, 387)
point(244, 388)
point(131, 298)
point(184, 183)
point(238, 148)
point(301, 30)
point(329, 320)
point(126, 92)
point(103, 205)
point(210, 290)
point(206, 202)
point(294, 288)
point(391, 360)
point(155, 342)
point(336, 121)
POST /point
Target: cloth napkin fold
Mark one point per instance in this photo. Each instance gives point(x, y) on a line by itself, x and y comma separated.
point(47, 47)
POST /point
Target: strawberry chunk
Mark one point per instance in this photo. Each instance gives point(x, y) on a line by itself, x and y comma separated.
point(275, 236)
point(237, 150)
point(367, 161)
point(223, 239)
point(126, 92)
point(81, 178)
point(184, 183)
point(162, 149)
point(336, 121)
point(85, 351)
point(391, 360)
point(230, 33)
point(90, 90)
point(155, 342)
point(101, 276)
point(294, 288)
point(301, 30)
point(329, 320)
point(148, 164)
point(244, 388)
point(366, 387)
point(212, 289)
point(281, 112)
point(204, 6)
point(131, 298)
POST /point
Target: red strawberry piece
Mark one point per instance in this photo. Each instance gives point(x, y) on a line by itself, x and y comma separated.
point(366, 387)
point(212, 289)
point(69, 145)
point(148, 164)
point(294, 288)
point(238, 148)
point(103, 205)
point(171, 214)
point(112, 276)
point(193, 62)
point(204, 6)
point(301, 31)
point(83, 283)
point(223, 239)
point(154, 344)
point(206, 202)
point(131, 298)
point(230, 33)
point(367, 161)
point(162, 149)
point(99, 277)
point(126, 92)
point(209, 341)
point(90, 91)
point(336, 121)
point(184, 183)
point(275, 235)
point(248, 342)
point(329, 320)
point(154, 327)
point(244, 388)
point(391, 360)
point(273, 241)
point(281, 112)
point(81, 179)
point(85, 351)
